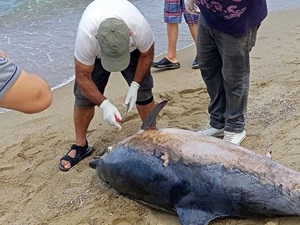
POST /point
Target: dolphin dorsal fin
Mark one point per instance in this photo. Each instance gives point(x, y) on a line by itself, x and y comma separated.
point(192, 216)
point(150, 121)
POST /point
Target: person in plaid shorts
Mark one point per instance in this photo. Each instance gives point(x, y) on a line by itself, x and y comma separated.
point(173, 11)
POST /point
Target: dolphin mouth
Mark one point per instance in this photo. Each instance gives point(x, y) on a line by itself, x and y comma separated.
point(94, 162)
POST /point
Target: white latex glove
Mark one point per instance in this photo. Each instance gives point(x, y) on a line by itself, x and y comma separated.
point(191, 7)
point(111, 114)
point(131, 95)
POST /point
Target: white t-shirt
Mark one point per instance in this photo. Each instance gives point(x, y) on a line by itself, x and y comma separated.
point(86, 45)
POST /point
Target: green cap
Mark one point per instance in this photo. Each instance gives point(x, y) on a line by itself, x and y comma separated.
point(113, 37)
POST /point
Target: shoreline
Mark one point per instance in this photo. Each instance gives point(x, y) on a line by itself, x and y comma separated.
point(34, 191)
point(71, 78)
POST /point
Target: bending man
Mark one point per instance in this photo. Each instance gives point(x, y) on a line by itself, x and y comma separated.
point(112, 36)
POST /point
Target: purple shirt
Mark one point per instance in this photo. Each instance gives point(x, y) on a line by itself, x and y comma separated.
point(234, 17)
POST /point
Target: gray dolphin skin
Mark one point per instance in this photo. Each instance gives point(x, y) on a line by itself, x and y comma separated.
point(201, 178)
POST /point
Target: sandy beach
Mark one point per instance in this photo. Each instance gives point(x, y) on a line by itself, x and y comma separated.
point(35, 191)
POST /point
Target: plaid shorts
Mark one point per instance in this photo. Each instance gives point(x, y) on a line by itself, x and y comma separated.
point(173, 10)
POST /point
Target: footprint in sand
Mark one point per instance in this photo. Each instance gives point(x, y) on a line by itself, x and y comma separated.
point(121, 221)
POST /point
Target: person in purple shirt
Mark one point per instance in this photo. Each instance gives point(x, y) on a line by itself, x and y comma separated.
point(227, 32)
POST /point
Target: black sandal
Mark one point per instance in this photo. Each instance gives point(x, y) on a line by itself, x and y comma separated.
point(165, 63)
point(81, 153)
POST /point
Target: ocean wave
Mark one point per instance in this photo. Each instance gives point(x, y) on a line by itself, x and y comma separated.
point(65, 82)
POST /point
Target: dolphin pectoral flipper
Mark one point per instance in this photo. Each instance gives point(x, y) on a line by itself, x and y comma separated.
point(189, 216)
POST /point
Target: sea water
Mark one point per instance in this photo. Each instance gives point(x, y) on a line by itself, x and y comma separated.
point(39, 35)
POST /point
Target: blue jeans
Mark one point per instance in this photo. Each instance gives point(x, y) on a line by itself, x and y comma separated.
point(224, 62)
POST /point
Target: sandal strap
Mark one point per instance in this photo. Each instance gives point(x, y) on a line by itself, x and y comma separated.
point(71, 160)
point(80, 151)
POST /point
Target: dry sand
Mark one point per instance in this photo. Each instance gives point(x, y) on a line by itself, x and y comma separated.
point(34, 191)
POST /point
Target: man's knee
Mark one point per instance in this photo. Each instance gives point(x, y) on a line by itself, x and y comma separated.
point(144, 97)
point(83, 103)
point(145, 102)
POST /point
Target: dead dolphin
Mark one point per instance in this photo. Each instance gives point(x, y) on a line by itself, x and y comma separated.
point(201, 178)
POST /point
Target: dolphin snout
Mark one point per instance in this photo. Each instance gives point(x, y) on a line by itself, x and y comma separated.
point(93, 163)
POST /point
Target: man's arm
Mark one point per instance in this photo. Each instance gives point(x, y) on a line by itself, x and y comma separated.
point(86, 84)
point(143, 68)
point(90, 90)
point(144, 64)
point(29, 94)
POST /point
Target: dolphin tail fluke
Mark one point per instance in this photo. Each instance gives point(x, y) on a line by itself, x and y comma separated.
point(195, 216)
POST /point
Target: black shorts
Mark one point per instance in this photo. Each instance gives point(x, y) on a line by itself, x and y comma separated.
point(100, 77)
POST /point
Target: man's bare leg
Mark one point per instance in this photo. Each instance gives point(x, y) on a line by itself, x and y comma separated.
point(82, 120)
point(144, 110)
point(194, 32)
point(29, 94)
point(172, 30)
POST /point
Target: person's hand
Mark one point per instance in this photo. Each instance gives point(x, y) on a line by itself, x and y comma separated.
point(132, 95)
point(191, 7)
point(4, 54)
point(111, 114)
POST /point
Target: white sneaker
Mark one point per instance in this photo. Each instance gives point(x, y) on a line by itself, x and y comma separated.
point(211, 131)
point(234, 138)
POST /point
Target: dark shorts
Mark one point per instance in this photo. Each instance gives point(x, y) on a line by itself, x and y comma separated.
point(100, 77)
point(173, 11)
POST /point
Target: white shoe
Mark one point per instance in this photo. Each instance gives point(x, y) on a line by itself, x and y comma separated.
point(234, 138)
point(211, 131)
